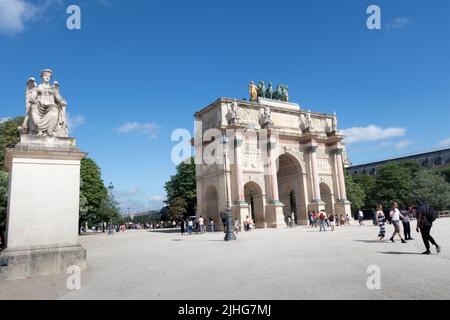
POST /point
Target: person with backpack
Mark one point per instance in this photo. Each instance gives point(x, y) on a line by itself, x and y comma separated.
point(322, 221)
point(425, 218)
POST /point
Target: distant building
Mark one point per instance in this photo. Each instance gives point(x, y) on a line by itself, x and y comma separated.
point(140, 214)
point(433, 159)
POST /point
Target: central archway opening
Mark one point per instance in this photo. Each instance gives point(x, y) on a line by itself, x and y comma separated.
point(327, 197)
point(254, 198)
point(290, 187)
point(212, 206)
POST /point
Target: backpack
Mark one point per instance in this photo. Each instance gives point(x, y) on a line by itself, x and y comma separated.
point(431, 215)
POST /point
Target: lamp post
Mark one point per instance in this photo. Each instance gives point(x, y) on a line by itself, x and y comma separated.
point(229, 235)
point(110, 230)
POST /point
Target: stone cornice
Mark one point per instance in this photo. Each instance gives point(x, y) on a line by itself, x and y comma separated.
point(15, 153)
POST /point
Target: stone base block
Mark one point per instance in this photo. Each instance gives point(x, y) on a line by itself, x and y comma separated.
point(317, 206)
point(26, 263)
point(275, 217)
point(241, 211)
point(343, 208)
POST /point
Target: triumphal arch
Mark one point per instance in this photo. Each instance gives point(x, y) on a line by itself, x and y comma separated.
point(268, 159)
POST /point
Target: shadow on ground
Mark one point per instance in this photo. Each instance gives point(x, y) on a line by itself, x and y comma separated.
point(401, 253)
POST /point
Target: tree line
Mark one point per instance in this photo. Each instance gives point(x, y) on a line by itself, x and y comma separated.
point(405, 182)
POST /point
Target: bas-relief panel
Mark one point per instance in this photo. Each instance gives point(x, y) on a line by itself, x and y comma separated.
point(252, 154)
point(320, 124)
point(250, 116)
point(285, 120)
point(211, 119)
point(324, 166)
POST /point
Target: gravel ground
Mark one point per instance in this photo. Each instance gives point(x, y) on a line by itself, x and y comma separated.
point(298, 263)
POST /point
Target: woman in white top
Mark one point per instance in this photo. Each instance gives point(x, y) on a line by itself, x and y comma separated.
point(395, 218)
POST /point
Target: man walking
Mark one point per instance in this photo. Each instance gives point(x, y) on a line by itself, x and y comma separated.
point(425, 218)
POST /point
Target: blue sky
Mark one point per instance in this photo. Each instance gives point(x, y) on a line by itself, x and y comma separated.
point(137, 70)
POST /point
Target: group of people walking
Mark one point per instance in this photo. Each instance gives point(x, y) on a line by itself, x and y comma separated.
point(425, 218)
point(323, 220)
point(198, 225)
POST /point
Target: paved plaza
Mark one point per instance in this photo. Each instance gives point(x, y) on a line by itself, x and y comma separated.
point(299, 263)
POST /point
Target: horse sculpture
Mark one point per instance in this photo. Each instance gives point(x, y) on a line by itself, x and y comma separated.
point(281, 93)
point(261, 89)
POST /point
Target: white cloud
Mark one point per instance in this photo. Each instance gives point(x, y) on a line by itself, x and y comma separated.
point(4, 119)
point(14, 14)
point(156, 198)
point(444, 143)
point(156, 201)
point(397, 23)
point(403, 144)
point(371, 133)
point(74, 122)
point(149, 129)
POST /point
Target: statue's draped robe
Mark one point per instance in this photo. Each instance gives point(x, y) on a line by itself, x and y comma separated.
point(46, 112)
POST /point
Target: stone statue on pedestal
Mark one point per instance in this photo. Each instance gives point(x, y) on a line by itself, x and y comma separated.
point(267, 118)
point(308, 121)
point(45, 108)
point(234, 114)
point(44, 190)
point(334, 123)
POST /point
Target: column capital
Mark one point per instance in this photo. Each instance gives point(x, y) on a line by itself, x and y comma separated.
point(239, 141)
point(312, 148)
point(338, 151)
point(271, 145)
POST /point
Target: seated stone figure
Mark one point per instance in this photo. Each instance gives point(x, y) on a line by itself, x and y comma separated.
point(45, 108)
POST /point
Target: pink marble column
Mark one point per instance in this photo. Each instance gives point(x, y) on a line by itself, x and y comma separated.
point(238, 166)
point(273, 171)
point(341, 177)
point(314, 172)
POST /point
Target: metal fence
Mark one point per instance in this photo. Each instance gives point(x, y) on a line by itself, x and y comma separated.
point(444, 214)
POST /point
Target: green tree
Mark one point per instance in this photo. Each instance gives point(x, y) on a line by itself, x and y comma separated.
point(432, 188)
point(183, 185)
point(445, 172)
point(355, 193)
point(9, 136)
point(368, 184)
point(178, 209)
point(93, 193)
point(3, 195)
point(109, 210)
point(395, 182)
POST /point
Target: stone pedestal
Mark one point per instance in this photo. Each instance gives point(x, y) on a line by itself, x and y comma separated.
point(317, 206)
point(275, 216)
point(343, 207)
point(241, 211)
point(43, 208)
